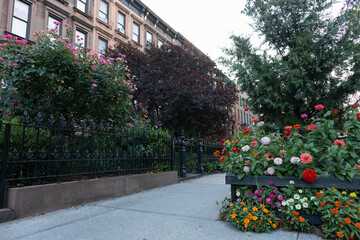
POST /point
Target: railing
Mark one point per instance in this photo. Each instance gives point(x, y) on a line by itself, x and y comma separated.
point(52, 151)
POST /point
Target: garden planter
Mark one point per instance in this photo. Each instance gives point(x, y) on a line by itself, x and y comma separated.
point(321, 182)
point(311, 218)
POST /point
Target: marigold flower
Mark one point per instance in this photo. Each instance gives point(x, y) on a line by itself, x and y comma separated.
point(353, 194)
point(265, 210)
point(340, 235)
point(305, 158)
point(296, 126)
point(255, 209)
point(301, 219)
point(271, 214)
point(233, 216)
point(312, 127)
point(347, 220)
point(255, 218)
point(217, 153)
point(334, 210)
point(274, 225)
point(222, 159)
point(319, 107)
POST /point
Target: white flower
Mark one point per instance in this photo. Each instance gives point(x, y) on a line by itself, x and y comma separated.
point(265, 140)
point(238, 193)
point(300, 191)
point(297, 196)
point(298, 206)
point(246, 169)
point(312, 198)
point(294, 160)
point(302, 200)
point(284, 203)
point(278, 161)
point(305, 199)
point(245, 148)
point(240, 157)
point(259, 124)
point(288, 202)
point(291, 182)
point(291, 200)
point(291, 207)
point(271, 171)
point(305, 205)
point(316, 203)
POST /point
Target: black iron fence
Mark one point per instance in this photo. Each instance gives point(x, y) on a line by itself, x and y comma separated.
point(55, 150)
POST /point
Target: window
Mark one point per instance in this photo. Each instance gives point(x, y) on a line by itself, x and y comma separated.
point(121, 22)
point(81, 5)
point(80, 37)
point(21, 18)
point(51, 24)
point(160, 43)
point(149, 40)
point(136, 32)
point(102, 46)
point(103, 11)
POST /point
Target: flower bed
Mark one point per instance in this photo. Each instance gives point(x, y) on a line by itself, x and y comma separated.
point(295, 173)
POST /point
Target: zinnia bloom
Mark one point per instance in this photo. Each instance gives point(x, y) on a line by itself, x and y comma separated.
point(304, 115)
point(287, 132)
point(246, 169)
point(265, 140)
point(236, 142)
point(339, 143)
point(319, 107)
point(334, 210)
point(319, 194)
point(259, 124)
point(278, 161)
point(216, 154)
point(222, 159)
point(245, 148)
point(335, 111)
point(271, 171)
point(354, 106)
point(358, 116)
point(246, 130)
point(296, 126)
point(312, 127)
point(305, 158)
point(94, 85)
point(309, 175)
point(294, 160)
point(235, 150)
point(347, 220)
point(254, 143)
point(254, 119)
point(246, 109)
point(301, 219)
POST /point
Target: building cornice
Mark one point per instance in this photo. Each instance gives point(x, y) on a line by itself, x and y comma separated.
point(82, 22)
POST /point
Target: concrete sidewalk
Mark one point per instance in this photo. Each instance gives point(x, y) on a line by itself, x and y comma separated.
point(183, 211)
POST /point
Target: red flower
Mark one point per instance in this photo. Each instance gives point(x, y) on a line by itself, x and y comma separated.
point(287, 132)
point(246, 131)
point(222, 142)
point(235, 150)
point(309, 175)
point(335, 111)
point(319, 107)
point(222, 159)
point(354, 106)
point(246, 109)
point(358, 116)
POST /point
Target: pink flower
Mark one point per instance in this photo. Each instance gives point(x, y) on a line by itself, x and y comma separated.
point(102, 61)
point(23, 40)
point(94, 66)
point(304, 115)
point(249, 193)
point(57, 23)
point(254, 143)
point(95, 55)
point(18, 41)
point(94, 85)
point(257, 192)
point(15, 64)
point(3, 60)
point(74, 51)
point(312, 127)
point(40, 107)
point(271, 183)
point(131, 96)
point(8, 36)
point(268, 201)
point(280, 197)
point(7, 114)
point(357, 166)
point(246, 109)
point(102, 55)
point(272, 196)
point(339, 143)
point(319, 107)
point(305, 158)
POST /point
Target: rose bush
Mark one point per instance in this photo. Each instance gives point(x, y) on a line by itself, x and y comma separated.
point(316, 149)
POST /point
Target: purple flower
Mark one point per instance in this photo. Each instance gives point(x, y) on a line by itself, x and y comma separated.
point(266, 173)
point(304, 115)
point(278, 204)
point(246, 169)
point(271, 183)
point(7, 114)
point(249, 193)
point(262, 190)
point(272, 196)
point(257, 192)
point(275, 191)
point(273, 206)
point(94, 85)
point(280, 197)
point(268, 201)
point(255, 198)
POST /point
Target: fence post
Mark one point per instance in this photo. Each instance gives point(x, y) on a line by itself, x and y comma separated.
point(182, 154)
point(200, 155)
point(172, 160)
point(4, 164)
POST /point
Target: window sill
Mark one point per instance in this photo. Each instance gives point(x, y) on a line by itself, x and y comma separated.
point(136, 43)
point(64, 2)
point(103, 23)
point(121, 34)
point(83, 13)
point(17, 36)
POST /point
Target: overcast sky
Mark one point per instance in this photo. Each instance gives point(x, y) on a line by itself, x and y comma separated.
point(207, 24)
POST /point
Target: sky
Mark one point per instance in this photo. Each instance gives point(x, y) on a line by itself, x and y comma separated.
point(208, 24)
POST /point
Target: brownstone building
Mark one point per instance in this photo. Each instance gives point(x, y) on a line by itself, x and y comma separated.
point(98, 23)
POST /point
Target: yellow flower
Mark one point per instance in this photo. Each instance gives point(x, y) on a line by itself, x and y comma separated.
point(227, 142)
point(242, 203)
point(344, 192)
point(249, 215)
point(265, 210)
point(254, 218)
point(353, 194)
point(255, 209)
point(233, 216)
point(334, 189)
point(245, 209)
point(246, 221)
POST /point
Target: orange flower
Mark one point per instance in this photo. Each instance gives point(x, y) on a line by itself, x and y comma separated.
point(237, 122)
point(319, 194)
point(334, 210)
point(347, 220)
point(301, 219)
point(340, 235)
point(255, 218)
point(145, 116)
point(295, 218)
point(217, 153)
point(222, 159)
point(322, 204)
point(274, 225)
point(347, 206)
point(246, 221)
point(288, 127)
point(357, 225)
point(236, 142)
point(296, 213)
point(233, 216)
point(247, 162)
point(271, 214)
point(296, 126)
point(270, 221)
point(254, 119)
point(337, 205)
point(242, 203)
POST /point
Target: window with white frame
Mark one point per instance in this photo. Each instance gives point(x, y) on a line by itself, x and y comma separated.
point(102, 46)
point(80, 37)
point(81, 5)
point(149, 40)
point(54, 23)
point(121, 22)
point(136, 32)
point(160, 43)
point(104, 11)
point(21, 18)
